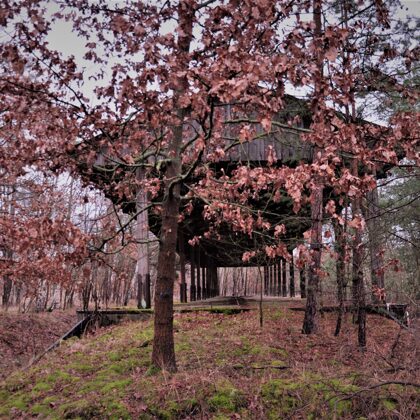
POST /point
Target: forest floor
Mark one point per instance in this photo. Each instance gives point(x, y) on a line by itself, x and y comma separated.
point(228, 368)
point(24, 336)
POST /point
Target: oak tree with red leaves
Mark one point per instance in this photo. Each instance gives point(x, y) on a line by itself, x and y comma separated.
point(154, 86)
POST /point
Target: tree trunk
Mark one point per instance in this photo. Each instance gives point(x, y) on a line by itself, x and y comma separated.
point(340, 272)
point(375, 245)
point(163, 354)
point(310, 323)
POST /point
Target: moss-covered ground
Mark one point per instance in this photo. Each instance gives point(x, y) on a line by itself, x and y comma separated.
point(228, 367)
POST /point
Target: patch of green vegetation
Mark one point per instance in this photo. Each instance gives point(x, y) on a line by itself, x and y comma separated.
point(226, 398)
point(278, 314)
point(174, 409)
point(247, 348)
point(152, 371)
point(41, 410)
point(279, 352)
point(182, 346)
point(114, 356)
point(60, 376)
point(116, 410)
point(389, 404)
point(116, 385)
point(18, 401)
point(16, 382)
point(82, 367)
point(80, 409)
point(41, 386)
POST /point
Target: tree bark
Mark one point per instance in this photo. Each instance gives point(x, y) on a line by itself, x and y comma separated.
point(340, 273)
point(163, 354)
point(375, 245)
point(310, 322)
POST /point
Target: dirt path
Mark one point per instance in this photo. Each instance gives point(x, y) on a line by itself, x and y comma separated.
point(23, 336)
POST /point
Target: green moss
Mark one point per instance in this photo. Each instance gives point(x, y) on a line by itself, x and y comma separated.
point(389, 404)
point(82, 367)
point(15, 401)
point(114, 356)
point(279, 352)
point(82, 409)
point(118, 385)
point(226, 398)
point(116, 410)
point(41, 409)
point(42, 386)
point(59, 376)
point(182, 346)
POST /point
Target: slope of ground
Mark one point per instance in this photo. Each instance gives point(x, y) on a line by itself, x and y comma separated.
point(23, 336)
point(228, 368)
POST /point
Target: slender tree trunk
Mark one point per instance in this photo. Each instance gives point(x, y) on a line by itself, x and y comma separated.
point(357, 271)
point(163, 354)
point(340, 272)
point(310, 322)
point(375, 245)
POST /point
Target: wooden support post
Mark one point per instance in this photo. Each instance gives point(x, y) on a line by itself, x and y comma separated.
point(147, 294)
point(278, 280)
point(139, 291)
point(203, 278)
point(274, 278)
point(284, 279)
point(142, 236)
point(302, 275)
point(265, 280)
point(292, 277)
point(183, 285)
point(199, 294)
point(193, 290)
